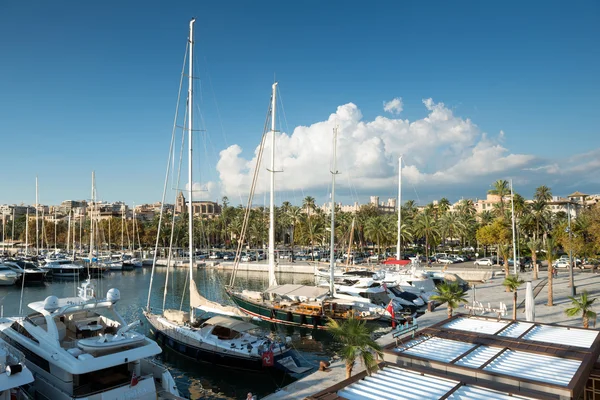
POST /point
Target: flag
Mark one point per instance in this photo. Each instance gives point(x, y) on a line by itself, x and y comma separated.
point(268, 359)
point(390, 309)
point(134, 380)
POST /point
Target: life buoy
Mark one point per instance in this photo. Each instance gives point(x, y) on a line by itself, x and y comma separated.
point(364, 314)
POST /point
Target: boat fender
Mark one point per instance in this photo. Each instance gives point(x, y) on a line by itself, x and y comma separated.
point(364, 314)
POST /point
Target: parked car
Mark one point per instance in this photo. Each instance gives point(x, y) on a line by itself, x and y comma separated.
point(528, 262)
point(561, 264)
point(445, 261)
point(484, 261)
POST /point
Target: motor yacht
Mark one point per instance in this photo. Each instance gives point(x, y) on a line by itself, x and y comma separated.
point(32, 274)
point(13, 372)
point(80, 347)
point(8, 277)
point(63, 268)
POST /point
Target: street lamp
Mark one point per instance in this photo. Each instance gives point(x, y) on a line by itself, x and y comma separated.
point(571, 282)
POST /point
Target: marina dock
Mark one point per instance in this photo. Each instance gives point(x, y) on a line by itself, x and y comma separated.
point(491, 292)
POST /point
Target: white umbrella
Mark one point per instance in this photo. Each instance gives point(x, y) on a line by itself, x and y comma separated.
point(529, 303)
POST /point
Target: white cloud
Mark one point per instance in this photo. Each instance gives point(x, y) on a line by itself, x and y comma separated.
point(440, 151)
point(393, 106)
point(203, 191)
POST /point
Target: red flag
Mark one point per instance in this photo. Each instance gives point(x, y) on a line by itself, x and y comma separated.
point(268, 359)
point(390, 309)
point(134, 380)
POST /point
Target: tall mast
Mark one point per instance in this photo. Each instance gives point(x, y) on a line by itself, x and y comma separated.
point(512, 202)
point(69, 232)
point(37, 225)
point(27, 233)
point(272, 278)
point(399, 205)
point(55, 226)
point(190, 182)
point(92, 217)
point(334, 172)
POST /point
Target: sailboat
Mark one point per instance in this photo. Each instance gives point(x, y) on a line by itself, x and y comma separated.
point(299, 305)
point(219, 340)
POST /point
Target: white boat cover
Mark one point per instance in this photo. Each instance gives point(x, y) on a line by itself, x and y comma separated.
point(293, 291)
point(230, 323)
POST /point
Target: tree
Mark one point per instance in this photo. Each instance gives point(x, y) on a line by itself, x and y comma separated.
point(500, 189)
point(356, 339)
point(309, 204)
point(426, 227)
point(377, 230)
point(451, 294)
point(583, 306)
point(543, 193)
point(512, 283)
point(534, 245)
point(443, 206)
point(550, 248)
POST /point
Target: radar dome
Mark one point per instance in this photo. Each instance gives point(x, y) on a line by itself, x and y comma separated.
point(51, 303)
point(113, 295)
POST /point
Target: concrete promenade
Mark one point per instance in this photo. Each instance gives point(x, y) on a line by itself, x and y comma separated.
point(490, 292)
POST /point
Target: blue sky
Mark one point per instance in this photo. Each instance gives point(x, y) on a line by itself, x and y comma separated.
point(92, 86)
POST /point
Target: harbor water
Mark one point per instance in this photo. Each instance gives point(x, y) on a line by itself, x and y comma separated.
point(196, 380)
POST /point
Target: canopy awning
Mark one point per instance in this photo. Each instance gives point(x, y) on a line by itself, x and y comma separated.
point(230, 323)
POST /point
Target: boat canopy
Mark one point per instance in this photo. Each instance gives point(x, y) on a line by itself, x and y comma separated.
point(230, 323)
point(297, 291)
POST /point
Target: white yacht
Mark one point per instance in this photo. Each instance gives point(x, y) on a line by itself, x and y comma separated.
point(28, 271)
point(80, 347)
point(63, 268)
point(13, 373)
point(412, 280)
point(366, 292)
point(7, 275)
point(222, 341)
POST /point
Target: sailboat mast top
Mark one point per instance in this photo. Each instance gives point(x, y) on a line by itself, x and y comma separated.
point(190, 181)
point(272, 279)
point(332, 243)
point(399, 205)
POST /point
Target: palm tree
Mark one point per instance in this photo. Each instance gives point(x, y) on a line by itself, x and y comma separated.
point(486, 217)
point(550, 247)
point(426, 227)
point(377, 231)
point(582, 306)
point(450, 293)
point(309, 204)
point(450, 225)
point(512, 283)
point(443, 206)
point(500, 189)
point(543, 193)
point(356, 339)
point(540, 214)
point(294, 214)
point(534, 246)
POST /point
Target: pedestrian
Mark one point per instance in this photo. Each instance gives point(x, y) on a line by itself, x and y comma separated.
point(555, 272)
point(250, 397)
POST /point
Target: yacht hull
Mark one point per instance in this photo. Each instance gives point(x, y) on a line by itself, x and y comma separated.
point(8, 280)
point(269, 313)
point(207, 352)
